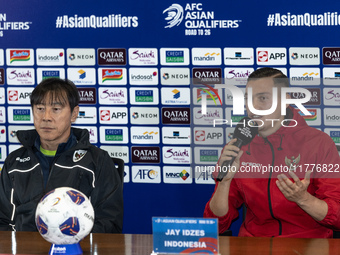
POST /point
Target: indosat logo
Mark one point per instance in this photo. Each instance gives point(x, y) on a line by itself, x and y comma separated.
point(238, 104)
point(197, 21)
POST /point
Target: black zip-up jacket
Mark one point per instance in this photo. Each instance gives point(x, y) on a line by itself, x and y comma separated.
point(83, 167)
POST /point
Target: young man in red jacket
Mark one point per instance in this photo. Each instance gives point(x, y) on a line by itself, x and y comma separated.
point(299, 203)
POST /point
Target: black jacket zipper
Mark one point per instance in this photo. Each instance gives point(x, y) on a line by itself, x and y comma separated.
point(268, 188)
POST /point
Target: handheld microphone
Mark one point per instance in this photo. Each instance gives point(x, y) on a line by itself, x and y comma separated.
point(244, 132)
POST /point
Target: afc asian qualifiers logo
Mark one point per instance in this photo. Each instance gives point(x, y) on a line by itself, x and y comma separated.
point(175, 15)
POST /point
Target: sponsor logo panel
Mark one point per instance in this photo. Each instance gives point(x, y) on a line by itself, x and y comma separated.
point(175, 76)
point(174, 56)
point(50, 57)
point(146, 174)
point(304, 76)
point(207, 155)
point(45, 73)
point(331, 56)
point(176, 135)
point(112, 76)
point(87, 95)
point(2, 96)
point(87, 115)
point(203, 175)
point(175, 96)
point(331, 96)
point(144, 115)
point(112, 96)
point(213, 96)
point(20, 76)
point(93, 133)
point(126, 174)
point(238, 56)
point(111, 57)
point(334, 133)
point(331, 76)
point(315, 99)
point(143, 56)
point(82, 76)
point(304, 56)
point(314, 119)
point(229, 96)
point(2, 57)
point(81, 57)
point(176, 155)
point(3, 134)
point(145, 154)
point(3, 152)
point(207, 75)
point(211, 136)
point(20, 57)
point(2, 76)
point(331, 117)
point(143, 76)
point(117, 152)
point(177, 174)
point(145, 135)
point(12, 132)
point(237, 76)
point(113, 134)
point(113, 115)
point(271, 56)
point(232, 118)
point(17, 95)
point(18, 115)
point(209, 117)
point(176, 115)
point(206, 56)
point(142, 96)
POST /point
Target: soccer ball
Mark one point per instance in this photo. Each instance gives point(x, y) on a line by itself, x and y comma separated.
point(64, 216)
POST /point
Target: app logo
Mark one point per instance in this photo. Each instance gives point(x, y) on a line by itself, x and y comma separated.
point(176, 115)
point(104, 115)
point(87, 95)
point(262, 56)
point(199, 135)
point(175, 15)
point(145, 154)
point(13, 95)
point(111, 56)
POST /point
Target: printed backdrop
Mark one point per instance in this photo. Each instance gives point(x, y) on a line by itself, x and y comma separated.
point(133, 62)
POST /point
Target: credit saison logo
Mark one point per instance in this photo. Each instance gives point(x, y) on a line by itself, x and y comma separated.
point(208, 155)
point(111, 56)
point(50, 74)
point(113, 135)
point(144, 96)
point(21, 115)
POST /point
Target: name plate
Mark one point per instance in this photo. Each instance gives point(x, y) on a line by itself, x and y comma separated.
point(185, 235)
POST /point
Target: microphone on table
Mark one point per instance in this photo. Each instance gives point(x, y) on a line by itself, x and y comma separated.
point(244, 132)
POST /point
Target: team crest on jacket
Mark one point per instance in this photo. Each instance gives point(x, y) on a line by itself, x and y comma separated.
point(78, 155)
point(293, 162)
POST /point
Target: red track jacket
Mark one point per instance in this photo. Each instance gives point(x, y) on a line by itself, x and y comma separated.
point(269, 213)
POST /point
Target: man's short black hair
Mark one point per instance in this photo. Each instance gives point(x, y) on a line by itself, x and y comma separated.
point(265, 72)
point(55, 90)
